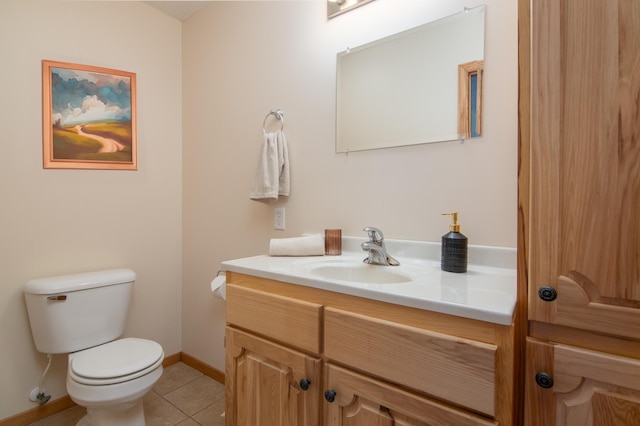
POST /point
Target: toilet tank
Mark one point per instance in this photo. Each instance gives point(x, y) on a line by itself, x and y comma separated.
point(69, 313)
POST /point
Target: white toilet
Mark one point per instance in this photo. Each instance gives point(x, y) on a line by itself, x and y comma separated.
point(83, 315)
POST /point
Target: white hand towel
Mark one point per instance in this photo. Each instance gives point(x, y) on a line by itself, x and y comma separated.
point(284, 181)
point(310, 245)
point(272, 176)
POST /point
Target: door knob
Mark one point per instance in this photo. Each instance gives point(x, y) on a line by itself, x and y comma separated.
point(547, 293)
point(330, 395)
point(544, 380)
point(304, 384)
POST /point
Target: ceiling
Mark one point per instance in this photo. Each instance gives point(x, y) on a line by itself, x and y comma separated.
point(180, 10)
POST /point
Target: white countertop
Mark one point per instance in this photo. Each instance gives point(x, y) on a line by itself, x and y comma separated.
point(486, 292)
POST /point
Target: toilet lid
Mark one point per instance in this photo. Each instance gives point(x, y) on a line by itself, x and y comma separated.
point(115, 360)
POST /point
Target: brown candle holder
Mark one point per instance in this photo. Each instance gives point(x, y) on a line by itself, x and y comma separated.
point(333, 242)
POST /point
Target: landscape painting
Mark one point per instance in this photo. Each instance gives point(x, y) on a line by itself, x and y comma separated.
point(89, 117)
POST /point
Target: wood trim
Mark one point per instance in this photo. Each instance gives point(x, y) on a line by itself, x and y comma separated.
point(464, 97)
point(544, 219)
point(509, 377)
point(585, 339)
point(524, 161)
point(38, 413)
point(203, 367)
point(171, 359)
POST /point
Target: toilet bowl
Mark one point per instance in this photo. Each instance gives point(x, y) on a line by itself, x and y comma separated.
point(111, 380)
point(83, 315)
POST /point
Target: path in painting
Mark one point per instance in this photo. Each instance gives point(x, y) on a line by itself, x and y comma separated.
point(108, 145)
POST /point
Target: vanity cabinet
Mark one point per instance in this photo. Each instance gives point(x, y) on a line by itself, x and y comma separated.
point(580, 200)
point(305, 356)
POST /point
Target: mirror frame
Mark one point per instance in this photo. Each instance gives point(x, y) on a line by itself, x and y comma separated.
point(469, 101)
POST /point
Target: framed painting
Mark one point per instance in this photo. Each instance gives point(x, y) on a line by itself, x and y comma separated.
point(89, 117)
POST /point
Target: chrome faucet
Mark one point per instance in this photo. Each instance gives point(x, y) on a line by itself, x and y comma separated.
point(376, 248)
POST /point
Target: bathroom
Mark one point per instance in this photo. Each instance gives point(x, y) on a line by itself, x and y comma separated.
point(204, 87)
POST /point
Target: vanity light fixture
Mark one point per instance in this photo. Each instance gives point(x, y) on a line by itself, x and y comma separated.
point(337, 7)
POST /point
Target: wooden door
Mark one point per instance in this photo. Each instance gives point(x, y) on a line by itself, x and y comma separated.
point(267, 384)
point(568, 386)
point(585, 165)
point(352, 399)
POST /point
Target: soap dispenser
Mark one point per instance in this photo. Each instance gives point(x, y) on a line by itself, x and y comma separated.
point(454, 247)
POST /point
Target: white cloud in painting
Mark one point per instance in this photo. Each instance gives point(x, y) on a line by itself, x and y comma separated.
point(91, 110)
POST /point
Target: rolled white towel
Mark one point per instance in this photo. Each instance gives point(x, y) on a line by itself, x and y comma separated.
point(309, 245)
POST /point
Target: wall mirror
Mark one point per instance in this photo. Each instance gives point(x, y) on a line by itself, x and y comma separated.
point(337, 7)
point(419, 86)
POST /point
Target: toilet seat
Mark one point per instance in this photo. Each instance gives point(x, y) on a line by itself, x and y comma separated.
point(115, 362)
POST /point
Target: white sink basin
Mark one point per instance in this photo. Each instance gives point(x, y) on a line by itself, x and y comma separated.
point(362, 273)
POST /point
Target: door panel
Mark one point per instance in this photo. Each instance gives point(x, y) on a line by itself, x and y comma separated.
point(263, 383)
point(585, 168)
point(581, 387)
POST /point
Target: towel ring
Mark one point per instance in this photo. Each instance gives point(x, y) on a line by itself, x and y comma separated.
point(277, 113)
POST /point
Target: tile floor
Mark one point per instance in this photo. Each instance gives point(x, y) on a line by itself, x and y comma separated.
point(183, 396)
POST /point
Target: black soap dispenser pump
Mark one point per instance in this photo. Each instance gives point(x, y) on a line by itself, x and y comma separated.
point(454, 247)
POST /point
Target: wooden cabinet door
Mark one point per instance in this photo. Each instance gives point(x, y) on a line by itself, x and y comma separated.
point(568, 386)
point(264, 383)
point(357, 400)
point(585, 164)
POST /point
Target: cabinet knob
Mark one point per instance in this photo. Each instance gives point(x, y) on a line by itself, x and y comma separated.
point(330, 395)
point(544, 380)
point(304, 384)
point(547, 293)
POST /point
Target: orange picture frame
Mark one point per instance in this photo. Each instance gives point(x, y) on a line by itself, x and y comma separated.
point(89, 117)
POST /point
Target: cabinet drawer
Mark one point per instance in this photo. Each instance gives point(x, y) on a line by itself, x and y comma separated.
point(287, 320)
point(458, 370)
point(361, 398)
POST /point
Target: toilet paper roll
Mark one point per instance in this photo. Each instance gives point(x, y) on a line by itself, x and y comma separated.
point(219, 287)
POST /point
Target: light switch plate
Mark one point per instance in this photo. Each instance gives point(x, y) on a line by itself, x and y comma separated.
point(278, 218)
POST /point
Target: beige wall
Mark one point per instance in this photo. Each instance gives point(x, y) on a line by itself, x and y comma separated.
point(242, 59)
point(62, 221)
point(237, 61)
